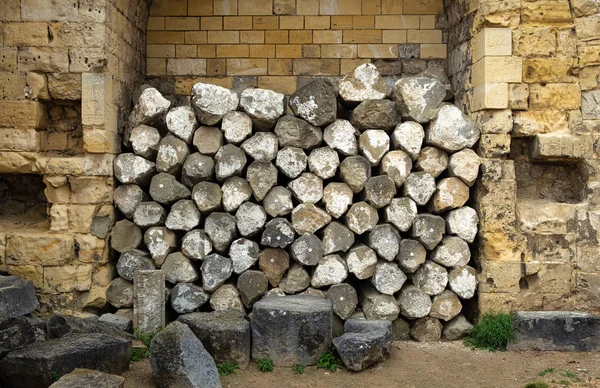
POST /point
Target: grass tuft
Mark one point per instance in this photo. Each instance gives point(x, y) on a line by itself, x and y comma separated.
point(227, 368)
point(330, 360)
point(138, 354)
point(298, 369)
point(265, 364)
point(536, 384)
point(546, 371)
point(492, 332)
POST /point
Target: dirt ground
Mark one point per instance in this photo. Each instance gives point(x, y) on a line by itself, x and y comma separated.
point(423, 365)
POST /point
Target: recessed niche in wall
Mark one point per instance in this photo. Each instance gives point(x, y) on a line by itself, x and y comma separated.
point(23, 204)
point(65, 132)
point(552, 181)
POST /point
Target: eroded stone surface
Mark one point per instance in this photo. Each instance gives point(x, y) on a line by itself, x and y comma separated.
point(212, 102)
point(364, 83)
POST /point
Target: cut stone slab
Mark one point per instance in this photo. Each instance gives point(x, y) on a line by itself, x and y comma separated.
point(88, 378)
point(307, 250)
point(388, 278)
point(187, 297)
point(452, 130)
point(296, 280)
point(451, 193)
point(171, 155)
point(337, 238)
point(178, 359)
point(385, 240)
point(208, 140)
point(125, 236)
point(278, 202)
point(409, 137)
point(274, 262)
point(133, 169)
point(556, 331)
point(212, 102)
point(463, 223)
point(144, 141)
point(252, 285)
point(414, 303)
point(315, 102)
point(463, 281)
point(207, 196)
point(243, 254)
point(376, 114)
point(58, 326)
point(294, 132)
point(411, 255)
point(250, 219)
point(224, 334)
point(432, 160)
point(236, 127)
point(331, 270)
point(221, 229)
point(149, 214)
point(428, 229)
point(58, 357)
point(465, 165)
point(226, 298)
point(361, 218)
point(365, 343)
point(196, 245)
point(452, 252)
point(355, 171)
point(323, 162)
point(15, 333)
point(236, 191)
point(431, 278)
point(373, 144)
point(118, 321)
point(426, 330)
point(261, 176)
point(307, 188)
point(181, 122)
point(179, 269)
point(419, 186)
point(445, 306)
point(341, 136)
point(261, 146)
point(120, 293)
point(337, 198)
point(265, 107)
point(230, 161)
point(379, 191)
point(197, 168)
point(361, 261)
point(307, 219)
point(401, 212)
point(216, 269)
point(396, 165)
point(165, 189)
point(343, 298)
point(160, 241)
point(132, 261)
point(364, 83)
point(291, 329)
point(457, 328)
point(278, 233)
point(127, 198)
point(291, 161)
point(184, 215)
point(419, 98)
point(378, 306)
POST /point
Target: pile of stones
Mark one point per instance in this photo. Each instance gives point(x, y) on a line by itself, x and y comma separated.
point(355, 192)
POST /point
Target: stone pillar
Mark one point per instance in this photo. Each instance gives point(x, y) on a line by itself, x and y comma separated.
point(149, 301)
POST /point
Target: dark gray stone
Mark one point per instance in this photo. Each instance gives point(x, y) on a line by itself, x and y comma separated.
point(419, 98)
point(556, 330)
point(87, 378)
point(178, 359)
point(294, 132)
point(45, 360)
point(278, 233)
point(15, 333)
point(120, 293)
point(165, 189)
point(315, 102)
point(17, 297)
point(291, 329)
point(118, 321)
point(187, 297)
point(376, 114)
point(364, 343)
point(224, 334)
point(252, 285)
point(132, 261)
point(60, 325)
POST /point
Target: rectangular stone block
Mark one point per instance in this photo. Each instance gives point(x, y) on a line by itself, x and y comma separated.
point(165, 37)
point(423, 7)
point(518, 96)
point(43, 59)
point(25, 34)
point(10, 10)
point(265, 23)
point(13, 85)
point(340, 7)
point(160, 50)
point(12, 139)
point(96, 98)
point(284, 7)
point(494, 145)
point(394, 36)
point(67, 278)
point(262, 51)
point(347, 51)
point(590, 105)
point(280, 67)
point(8, 58)
point(433, 51)
point(49, 10)
point(255, 7)
point(223, 37)
point(497, 69)
point(317, 23)
point(492, 42)
point(424, 36)
point(391, 7)
point(362, 36)
point(183, 66)
point(494, 121)
point(534, 122)
point(396, 22)
point(327, 36)
point(100, 141)
point(542, 70)
point(490, 96)
point(23, 114)
point(545, 217)
point(378, 51)
point(149, 301)
point(211, 23)
point(307, 7)
point(291, 22)
point(316, 67)
point(80, 217)
point(546, 12)
point(40, 249)
point(561, 146)
point(247, 67)
point(284, 85)
point(288, 51)
point(64, 165)
point(155, 23)
point(253, 37)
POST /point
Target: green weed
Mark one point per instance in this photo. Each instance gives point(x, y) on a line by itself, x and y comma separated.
point(492, 332)
point(298, 369)
point(546, 371)
point(265, 364)
point(536, 384)
point(330, 360)
point(227, 368)
point(564, 382)
point(138, 354)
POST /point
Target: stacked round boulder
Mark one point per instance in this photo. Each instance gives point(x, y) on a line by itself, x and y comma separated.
point(351, 192)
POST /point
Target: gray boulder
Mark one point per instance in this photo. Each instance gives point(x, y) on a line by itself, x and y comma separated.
point(212, 102)
point(376, 114)
point(15, 333)
point(187, 297)
point(364, 343)
point(419, 98)
point(263, 106)
point(315, 102)
point(118, 321)
point(88, 378)
point(17, 297)
point(452, 130)
point(294, 132)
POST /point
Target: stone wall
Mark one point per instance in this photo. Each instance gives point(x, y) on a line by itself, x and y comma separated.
point(280, 44)
point(67, 71)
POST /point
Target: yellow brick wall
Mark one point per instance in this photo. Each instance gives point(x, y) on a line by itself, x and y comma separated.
point(279, 40)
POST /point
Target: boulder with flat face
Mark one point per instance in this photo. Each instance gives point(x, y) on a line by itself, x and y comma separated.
point(364, 83)
point(315, 102)
point(212, 102)
point(452, 130)
point(364, 343)
point(88, 378)
point(419, 98)
point(263, 106)
point(17, 297)
point(294, 132)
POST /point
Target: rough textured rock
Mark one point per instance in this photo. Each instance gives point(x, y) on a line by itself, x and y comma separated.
point(236, 191)
point(171, 155)
point(364, 343)
point(291, 329)
point(296, 280)
point(226, 298)
point(57, 357)
point(236, 127)
point(278, 202)
point(432, 160)
point(250, 219)
point(307, 219)
point(361, 218)
point(307, 188)
point(452, 252)
point(127, 198)
point(243, 254)
point(463, 223)
point(195, 244)
point(144, 141)
point(207, 196)
point(252, 285)
point(87, 378)
point(212, 102)
point(375, 114)
point(150, 108)
point(445, 306)
point(428, 229)
point(408, 136)
point(224, 334)
point(464, 164)
point(165, 189)
point(273, 262)
point(364, 83)
point(291, 161)
point(378, 306)
point(187, 297)
point(419, 186)
point(343, 298)
point(401, 212)
point(379, 191)
point(221, 229)
point(419, 98)
point(261, 176)
point(181, 122)
point(179, 269)
point(184, 215)
point(307, 250)
point(331, 270)
point(125, 236)
point(261, 146)
point(278, 233)
point(426, 330)
point(337, 238)
point(463, 281)
point(388, 278)
point(178, 358)
point(229, 161)
point(451, 193)
point(294, 132)
point(197, 168)
point(323, 162)
point(373, 144)
point(208, 140)
point(414, 303)
point(149, 214)
point(452, 130)
point(265, 107)
point(118, 321)
point(149, 299)
point(400, 330)
point(130, 168)
point(341, 136)
point(160, 241)
point(457, 328)
point(216, 269)
point(385, 240)
point(396, 165)
point(411, 255)
point(132, 261)
point(355, 171)
point(15, 333)
point(431, 278)
point(315, 102)
point(120, 293)
point(361, 261)
point(337, 198)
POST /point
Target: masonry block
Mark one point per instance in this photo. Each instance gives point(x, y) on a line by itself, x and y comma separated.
point(490, 96)
point(492, 42)
point(497, 69)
